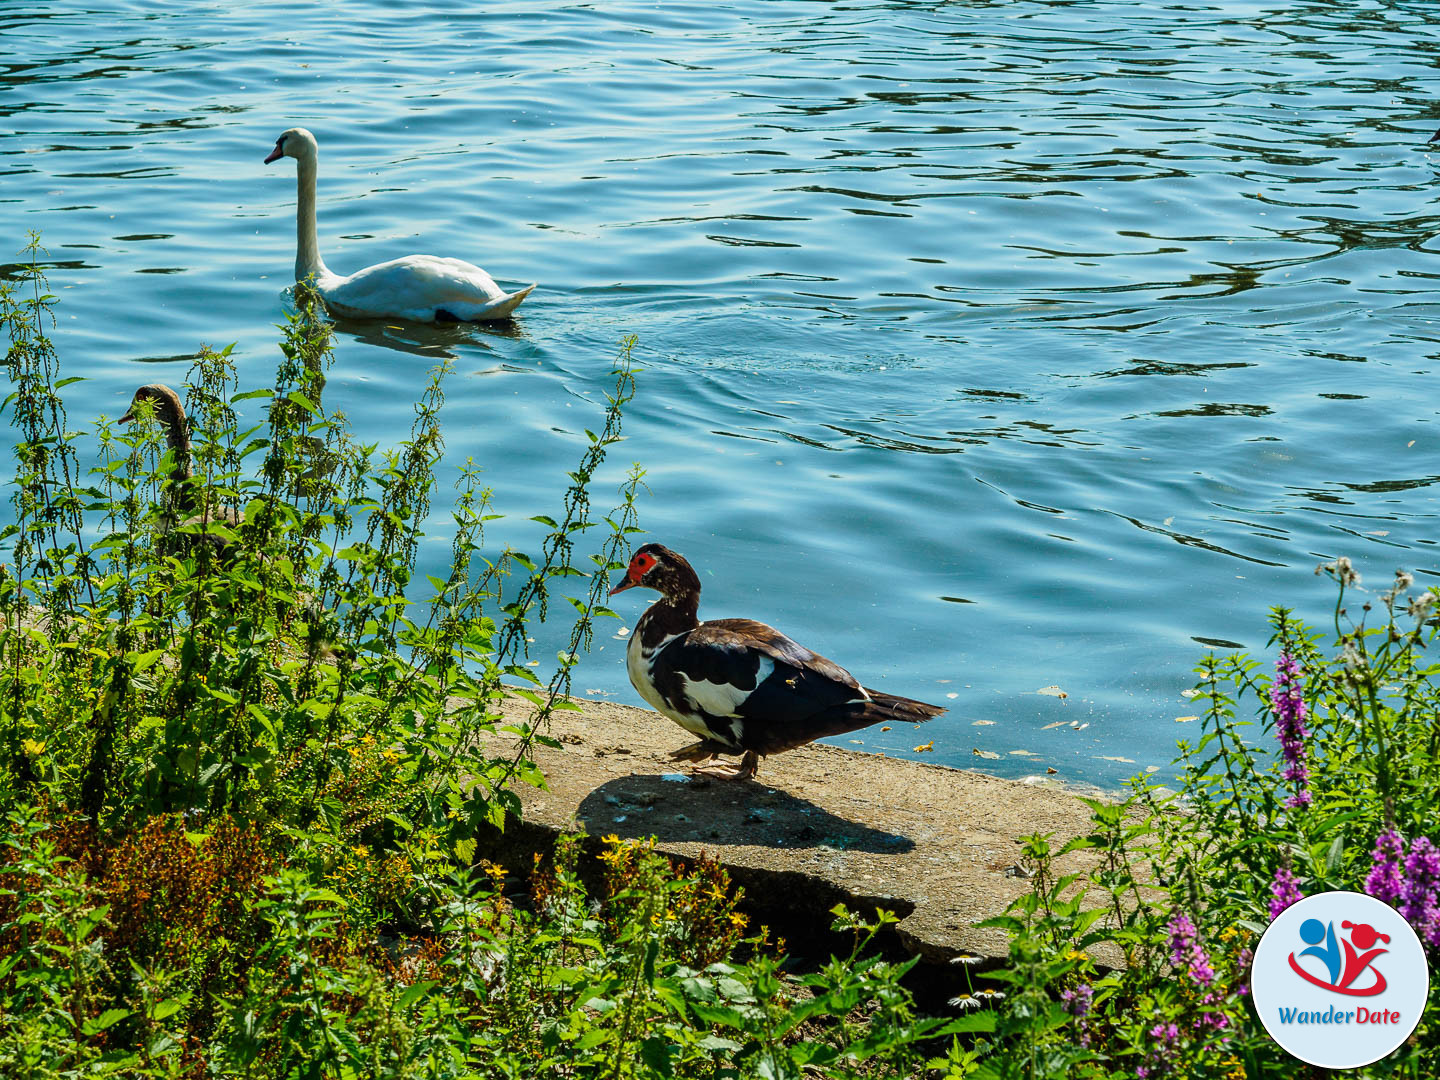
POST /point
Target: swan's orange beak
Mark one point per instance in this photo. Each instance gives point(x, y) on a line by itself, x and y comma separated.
point(275, 154)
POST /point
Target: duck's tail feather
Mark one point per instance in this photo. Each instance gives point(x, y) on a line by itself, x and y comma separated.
point(884, 707)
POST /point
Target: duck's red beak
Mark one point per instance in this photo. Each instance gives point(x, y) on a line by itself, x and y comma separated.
point(275, 154)
point(626, 583)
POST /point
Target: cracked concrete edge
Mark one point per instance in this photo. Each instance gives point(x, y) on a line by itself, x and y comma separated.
point(822, 825)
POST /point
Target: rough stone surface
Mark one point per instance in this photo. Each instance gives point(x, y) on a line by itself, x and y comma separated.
point(821, 825)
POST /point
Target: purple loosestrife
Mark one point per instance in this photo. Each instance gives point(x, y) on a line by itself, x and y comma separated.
point(1287, 703)
point(1242, 965)
point(1164, 1049)
point(1384, 882)
point(1186, 950)
point(1215, 1021)
point(1285, 890)
point(1419, 903)
point(1077, 1002)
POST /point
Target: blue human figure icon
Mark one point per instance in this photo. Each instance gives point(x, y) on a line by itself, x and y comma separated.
point(1313, 932)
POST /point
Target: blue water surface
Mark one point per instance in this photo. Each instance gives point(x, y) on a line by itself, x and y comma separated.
point(988, 347)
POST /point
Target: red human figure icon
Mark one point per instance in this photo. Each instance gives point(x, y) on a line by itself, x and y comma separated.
point(1363, 935)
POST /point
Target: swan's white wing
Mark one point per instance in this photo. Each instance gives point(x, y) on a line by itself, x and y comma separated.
point(421, 288)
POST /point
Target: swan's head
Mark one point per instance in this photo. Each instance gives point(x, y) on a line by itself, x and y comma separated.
point(296, 143)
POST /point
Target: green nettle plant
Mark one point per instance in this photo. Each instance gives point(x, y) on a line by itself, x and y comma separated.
point(239, 658)
point(245, 756)
point(1140, 967)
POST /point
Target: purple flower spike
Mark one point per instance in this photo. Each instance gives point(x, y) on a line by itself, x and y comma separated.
point(1285, 890)
point(1384, 882)
point(1164, 1049)
point(1287, 703)
point(1077, 1002)
point(1187, 952)
point(1418, 902)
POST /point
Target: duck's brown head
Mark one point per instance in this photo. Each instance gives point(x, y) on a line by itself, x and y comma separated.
point(165, 407)
point(656, 567)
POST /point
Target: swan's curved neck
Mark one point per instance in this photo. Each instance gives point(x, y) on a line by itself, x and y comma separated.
point(307, 246)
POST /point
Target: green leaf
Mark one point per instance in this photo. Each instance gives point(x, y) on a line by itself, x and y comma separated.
point(465, 850)
point(657, 1052)
point(415, 992)
point(168, 1007)
point(303, 401)
point(107, 1019)
point(715, 1043)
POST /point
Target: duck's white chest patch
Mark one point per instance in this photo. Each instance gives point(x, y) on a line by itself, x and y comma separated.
point(640, 664)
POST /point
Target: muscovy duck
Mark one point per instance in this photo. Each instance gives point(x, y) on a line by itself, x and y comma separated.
point(742, 686)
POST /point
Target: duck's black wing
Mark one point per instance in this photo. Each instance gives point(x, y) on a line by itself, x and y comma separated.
point(765, 692)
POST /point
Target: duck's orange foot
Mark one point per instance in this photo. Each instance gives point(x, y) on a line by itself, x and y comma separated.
point(704, 750)
point(749, 766)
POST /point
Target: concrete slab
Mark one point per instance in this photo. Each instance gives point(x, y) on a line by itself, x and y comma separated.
point(821, 825)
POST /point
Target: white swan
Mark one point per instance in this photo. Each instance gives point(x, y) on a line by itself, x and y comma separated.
point(421, 288)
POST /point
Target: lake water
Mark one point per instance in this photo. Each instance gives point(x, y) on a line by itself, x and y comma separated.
point(988, 347)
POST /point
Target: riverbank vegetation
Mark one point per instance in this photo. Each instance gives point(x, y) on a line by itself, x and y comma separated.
point(1318, 773)
point(242, 769)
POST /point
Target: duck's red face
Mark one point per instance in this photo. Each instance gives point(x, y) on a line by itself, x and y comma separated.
point(641, 565)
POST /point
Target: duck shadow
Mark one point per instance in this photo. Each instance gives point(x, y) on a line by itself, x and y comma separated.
point(677, 807)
